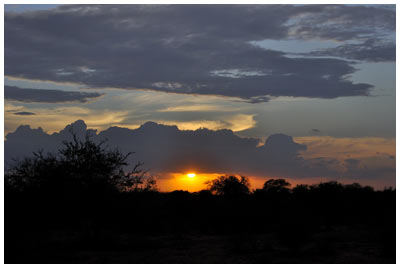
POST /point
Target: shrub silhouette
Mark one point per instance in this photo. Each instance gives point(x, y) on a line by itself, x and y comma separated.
point(80, 167)
point(229, 185)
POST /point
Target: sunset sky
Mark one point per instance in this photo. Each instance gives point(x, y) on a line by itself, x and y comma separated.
point(302, 92)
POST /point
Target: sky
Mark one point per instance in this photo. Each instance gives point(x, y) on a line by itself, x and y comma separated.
point(302, 92)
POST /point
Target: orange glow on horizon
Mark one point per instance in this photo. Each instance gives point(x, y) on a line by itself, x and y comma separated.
point(169, 182)
point(192, 182)
point(191, 175)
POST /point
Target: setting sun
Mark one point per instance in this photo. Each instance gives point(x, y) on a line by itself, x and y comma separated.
point(191, 175)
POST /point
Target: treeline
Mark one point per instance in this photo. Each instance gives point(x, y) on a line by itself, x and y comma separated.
point(84, 193)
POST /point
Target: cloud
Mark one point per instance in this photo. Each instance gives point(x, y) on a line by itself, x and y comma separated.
point(237, 122)
point(47, 95)
point(133, 108)
point(55, 119)
point(24, 113)
point(343, 148)
point(370, 50)
point(343, 22)
point(191, 49)
point(257, 99)
point(166, 149)
point(197, 108)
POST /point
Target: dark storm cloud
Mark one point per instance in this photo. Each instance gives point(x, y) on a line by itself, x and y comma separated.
point(46, 95)
point(371, 50)
point(195, 49)
point(24, 113)
point(168, 149)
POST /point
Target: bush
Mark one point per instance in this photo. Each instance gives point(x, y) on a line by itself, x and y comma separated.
point(80, 167)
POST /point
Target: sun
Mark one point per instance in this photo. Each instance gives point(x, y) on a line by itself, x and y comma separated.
point(191, 175)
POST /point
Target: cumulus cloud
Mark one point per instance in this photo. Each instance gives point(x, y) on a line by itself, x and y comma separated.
point(47, 95)
point(166, 149)
point(191, 49)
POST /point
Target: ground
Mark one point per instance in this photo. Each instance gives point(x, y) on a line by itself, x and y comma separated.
point(338, 244)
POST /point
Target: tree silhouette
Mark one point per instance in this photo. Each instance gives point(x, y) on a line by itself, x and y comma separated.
point(229, 185)
point(330, 187)
point(80, 167)
point(276, 185)
point(136, 181)
point(301, 189)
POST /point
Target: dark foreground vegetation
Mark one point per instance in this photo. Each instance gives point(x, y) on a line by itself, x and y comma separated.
point(81, 207)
